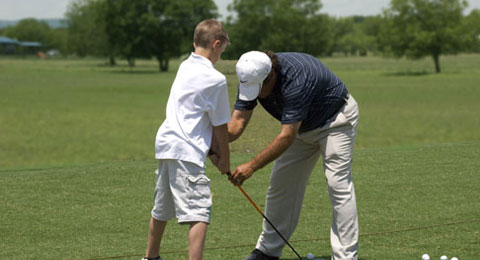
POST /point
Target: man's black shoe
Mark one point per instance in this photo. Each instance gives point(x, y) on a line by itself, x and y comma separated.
point(259, 255)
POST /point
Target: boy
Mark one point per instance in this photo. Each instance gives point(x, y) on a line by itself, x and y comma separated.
point(198, 111)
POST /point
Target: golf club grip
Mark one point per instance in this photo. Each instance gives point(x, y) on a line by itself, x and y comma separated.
point(265, 217)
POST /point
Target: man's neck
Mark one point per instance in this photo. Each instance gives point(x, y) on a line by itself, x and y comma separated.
point(268, 86)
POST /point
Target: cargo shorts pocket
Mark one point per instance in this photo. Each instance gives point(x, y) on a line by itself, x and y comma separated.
point(199, 191)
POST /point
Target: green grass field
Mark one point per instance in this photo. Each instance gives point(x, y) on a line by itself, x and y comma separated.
point(77, 162)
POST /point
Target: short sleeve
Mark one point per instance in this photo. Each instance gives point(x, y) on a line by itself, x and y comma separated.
point(243, 105)
point(219, 109)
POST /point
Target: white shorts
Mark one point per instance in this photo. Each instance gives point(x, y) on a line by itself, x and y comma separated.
point(182, 191)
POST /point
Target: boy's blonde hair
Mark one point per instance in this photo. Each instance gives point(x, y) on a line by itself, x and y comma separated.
point(208, 31)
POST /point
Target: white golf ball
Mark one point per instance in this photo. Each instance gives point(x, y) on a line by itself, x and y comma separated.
point(454, 258)
point(425, 257)
point(443, 257)
point(310, 256)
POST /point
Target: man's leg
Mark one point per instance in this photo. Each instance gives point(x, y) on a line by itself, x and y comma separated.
point(285, 194)
point(337, 152)
point(155, 235)
point(196, 240)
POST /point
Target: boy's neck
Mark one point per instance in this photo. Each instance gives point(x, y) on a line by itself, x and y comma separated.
point(204, 53)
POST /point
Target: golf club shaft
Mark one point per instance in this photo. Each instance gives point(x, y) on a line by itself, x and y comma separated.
point(265, 217)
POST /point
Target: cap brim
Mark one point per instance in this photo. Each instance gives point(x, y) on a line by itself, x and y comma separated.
point(248, 92)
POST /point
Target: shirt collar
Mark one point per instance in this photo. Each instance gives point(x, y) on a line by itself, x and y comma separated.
point(200, 59)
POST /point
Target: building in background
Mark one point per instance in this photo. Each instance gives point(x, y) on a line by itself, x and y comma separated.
point(11, 46)
point(7, 45)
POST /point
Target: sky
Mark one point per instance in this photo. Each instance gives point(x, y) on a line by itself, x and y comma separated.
point(19, 9)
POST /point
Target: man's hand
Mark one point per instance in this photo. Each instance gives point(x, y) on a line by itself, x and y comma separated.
point(241, 173)
point(279, 144)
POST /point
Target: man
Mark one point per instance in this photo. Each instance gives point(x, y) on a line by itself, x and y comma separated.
point(318, 117)
point(198, 111)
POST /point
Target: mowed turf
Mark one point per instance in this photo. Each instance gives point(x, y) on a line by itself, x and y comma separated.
point(76, 162)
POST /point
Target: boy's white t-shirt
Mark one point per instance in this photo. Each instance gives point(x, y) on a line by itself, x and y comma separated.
point(198, 101)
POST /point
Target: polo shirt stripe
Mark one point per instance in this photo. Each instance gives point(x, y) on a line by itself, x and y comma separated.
point(306, 91)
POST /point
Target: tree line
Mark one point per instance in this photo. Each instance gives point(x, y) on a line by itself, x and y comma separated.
point(163, 29)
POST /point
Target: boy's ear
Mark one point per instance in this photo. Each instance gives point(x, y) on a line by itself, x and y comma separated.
point(216, 44)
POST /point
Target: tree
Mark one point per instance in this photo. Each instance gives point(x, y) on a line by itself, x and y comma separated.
point(124, 26)
point(278, 25)
point(159, 28)
point(86, 29)
point(371, 27)
point(356, 42)
point(419, 28)
point(31, 30)
point(250, 25)
point(356, 35)
point(169, 26)
point(342, 27)
point(60, 40)
point(471, 30)
point(295, 25)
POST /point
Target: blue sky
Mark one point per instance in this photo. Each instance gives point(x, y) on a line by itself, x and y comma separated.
point(18, 9)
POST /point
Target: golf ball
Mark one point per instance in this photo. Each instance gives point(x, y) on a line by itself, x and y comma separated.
point(443, 257)
point(310, 256)
point(425, 257)
point(454, 258)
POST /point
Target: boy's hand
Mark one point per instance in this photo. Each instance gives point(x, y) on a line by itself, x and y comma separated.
point(222, 164)
point(213, 157)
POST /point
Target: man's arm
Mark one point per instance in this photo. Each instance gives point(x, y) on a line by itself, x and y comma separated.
point(279, 144)
point(220, 152)
point(238, 123)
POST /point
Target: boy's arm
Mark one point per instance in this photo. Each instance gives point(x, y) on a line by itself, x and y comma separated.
point(220, 153)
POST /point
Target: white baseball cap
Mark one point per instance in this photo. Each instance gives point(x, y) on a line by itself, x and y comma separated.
point(253, 68)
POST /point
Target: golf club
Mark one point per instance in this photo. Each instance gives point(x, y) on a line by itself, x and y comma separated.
point(265, 217)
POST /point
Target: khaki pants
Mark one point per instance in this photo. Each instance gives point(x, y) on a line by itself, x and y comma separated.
point(289, 178)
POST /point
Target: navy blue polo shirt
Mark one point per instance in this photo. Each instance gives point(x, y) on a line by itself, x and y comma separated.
point(306, 90)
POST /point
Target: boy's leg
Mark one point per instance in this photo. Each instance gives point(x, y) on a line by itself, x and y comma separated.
point(193, 202)
point(155, 235)
point(196, 240)
point(163, 209)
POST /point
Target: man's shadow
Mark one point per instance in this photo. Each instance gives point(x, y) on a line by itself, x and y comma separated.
point(325, 257)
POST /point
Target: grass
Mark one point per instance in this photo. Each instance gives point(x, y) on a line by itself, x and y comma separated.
point(76, 162)
point(59, 106)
